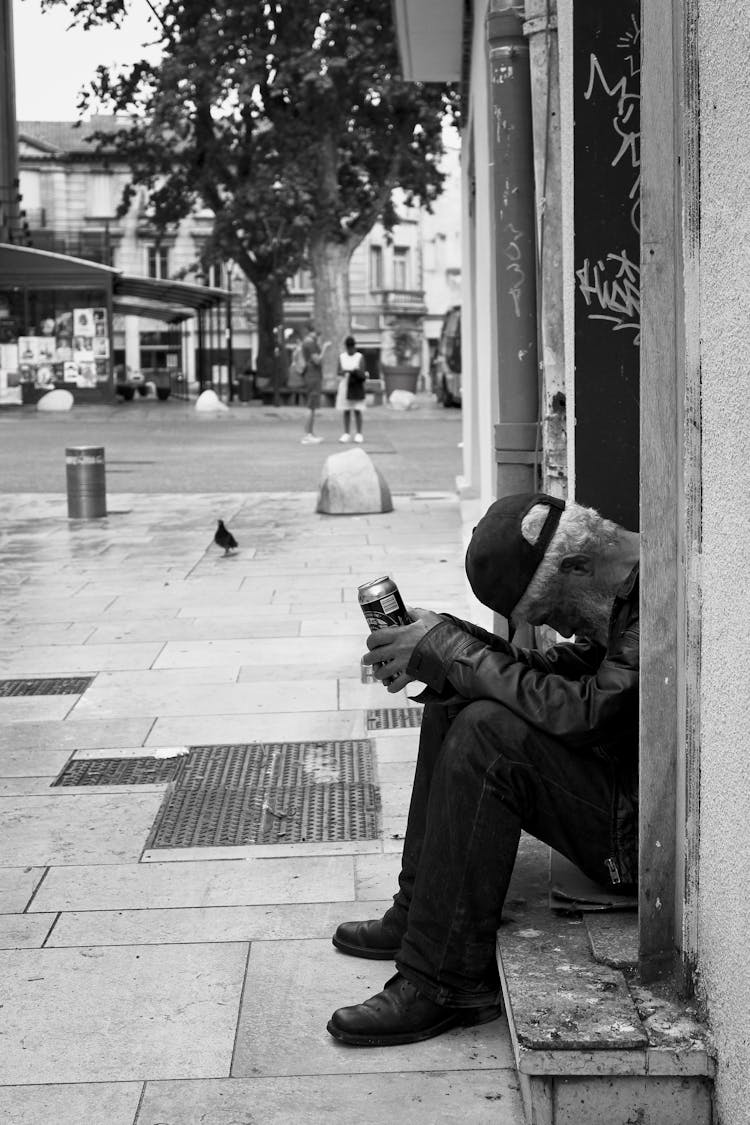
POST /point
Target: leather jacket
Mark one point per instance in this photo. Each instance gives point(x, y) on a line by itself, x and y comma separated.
point(583, 694)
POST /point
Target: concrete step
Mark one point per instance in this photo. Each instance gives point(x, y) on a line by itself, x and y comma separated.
point(591, 1044)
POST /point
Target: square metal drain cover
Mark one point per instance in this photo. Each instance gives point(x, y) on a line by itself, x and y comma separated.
point(119, 771)
point(391, 718)
point(271, 793)
point(57, 685)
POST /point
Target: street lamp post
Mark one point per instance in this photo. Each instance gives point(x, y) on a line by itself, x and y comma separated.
point(278, 329)
point(229, 337)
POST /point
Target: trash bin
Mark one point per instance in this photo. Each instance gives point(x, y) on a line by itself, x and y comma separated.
point(246, 387)
point(85, 479)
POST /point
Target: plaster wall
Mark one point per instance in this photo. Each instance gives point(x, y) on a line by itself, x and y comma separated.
point(724, 864)
point(441, 240)
point(480, 409)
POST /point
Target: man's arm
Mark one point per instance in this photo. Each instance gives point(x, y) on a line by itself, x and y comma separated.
point(580, 712)
point(395, 645)
point(566, 659)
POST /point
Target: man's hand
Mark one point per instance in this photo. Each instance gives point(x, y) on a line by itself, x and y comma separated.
point(390, 649)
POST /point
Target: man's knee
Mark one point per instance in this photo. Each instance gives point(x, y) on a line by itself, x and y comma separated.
point(484, 735)
point(491, 722)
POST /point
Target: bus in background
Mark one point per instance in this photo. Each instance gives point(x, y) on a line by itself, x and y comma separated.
point(448, 362)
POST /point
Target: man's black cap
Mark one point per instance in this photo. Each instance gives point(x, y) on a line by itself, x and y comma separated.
point(500, 563)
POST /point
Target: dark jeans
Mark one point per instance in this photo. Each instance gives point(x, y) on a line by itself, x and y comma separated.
point(482, 775)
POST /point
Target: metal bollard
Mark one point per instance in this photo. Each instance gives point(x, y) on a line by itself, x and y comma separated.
point(87, 492)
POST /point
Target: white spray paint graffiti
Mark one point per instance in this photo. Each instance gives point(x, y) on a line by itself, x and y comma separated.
point(513, 252)
point(611, 284)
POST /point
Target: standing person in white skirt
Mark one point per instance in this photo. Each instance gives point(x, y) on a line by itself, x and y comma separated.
point(350, 397)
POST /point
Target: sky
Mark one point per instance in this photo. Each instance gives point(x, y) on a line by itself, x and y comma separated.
point(52, 63)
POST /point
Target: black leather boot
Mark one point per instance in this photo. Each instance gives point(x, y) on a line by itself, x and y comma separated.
point(400, 1014)
point(377, 939)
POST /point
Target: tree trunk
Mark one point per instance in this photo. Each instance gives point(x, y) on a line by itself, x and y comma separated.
point(272, 360)
point(329, 263)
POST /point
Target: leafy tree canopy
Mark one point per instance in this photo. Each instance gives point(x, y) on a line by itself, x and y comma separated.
point(288, 118)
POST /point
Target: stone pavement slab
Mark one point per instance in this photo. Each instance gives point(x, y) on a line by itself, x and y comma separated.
point(472, 1097)
point(276, 726)
point(74, 734)
point(124, 1013)
point(214, 883)
point(90, 1103)
point(22, 708)
point(32, 763)
point(291, 989)
point(167, 679)
point(55, 633)
point(99, 828)
point(206, 923)
point(376, 876)
point(66, 660)
point(33, 604)
point(24, 931)
point(38, 786)
point(17, 885)
point(193, 629)
point(107, 700)
point(304, 652)
point(262, 851)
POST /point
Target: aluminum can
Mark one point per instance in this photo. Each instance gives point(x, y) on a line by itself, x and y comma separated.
point(382, 604)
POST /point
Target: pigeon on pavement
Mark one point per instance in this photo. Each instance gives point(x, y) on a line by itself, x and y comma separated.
point(224, 538)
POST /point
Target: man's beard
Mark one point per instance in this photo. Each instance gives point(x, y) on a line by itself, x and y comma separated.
point(592, 610)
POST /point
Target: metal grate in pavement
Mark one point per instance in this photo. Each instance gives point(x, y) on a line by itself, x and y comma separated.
point(119, 771)
point(392, 718)
point(271, 793)
point(56, 685)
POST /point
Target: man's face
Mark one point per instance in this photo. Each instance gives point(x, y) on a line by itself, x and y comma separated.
point(576, 604)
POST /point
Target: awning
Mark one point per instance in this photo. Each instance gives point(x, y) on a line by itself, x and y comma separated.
point(429, 35)
point(175, 293)
point(153, 311)
point(177, 300)
point(23, 265)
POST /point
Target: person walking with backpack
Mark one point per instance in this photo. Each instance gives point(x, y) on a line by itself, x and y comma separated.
point(350, 397)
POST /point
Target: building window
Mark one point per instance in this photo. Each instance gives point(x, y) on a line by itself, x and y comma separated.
point(376, 267)
point(100, 195)
point(401, 267)
point(158, 261)
point(301, 281)
point(31, 190)
point(215, 275)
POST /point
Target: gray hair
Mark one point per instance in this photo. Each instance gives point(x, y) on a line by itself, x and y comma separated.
point(580, 531)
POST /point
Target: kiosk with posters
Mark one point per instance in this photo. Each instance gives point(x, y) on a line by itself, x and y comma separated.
point(58, 326)
point(55, 324)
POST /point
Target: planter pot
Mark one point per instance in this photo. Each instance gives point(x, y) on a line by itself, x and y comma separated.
point(399, 379)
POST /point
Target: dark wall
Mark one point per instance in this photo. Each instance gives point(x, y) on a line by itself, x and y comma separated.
point(606, 95)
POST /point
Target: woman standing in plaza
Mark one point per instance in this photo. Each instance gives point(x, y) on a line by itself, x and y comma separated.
point(350, 397)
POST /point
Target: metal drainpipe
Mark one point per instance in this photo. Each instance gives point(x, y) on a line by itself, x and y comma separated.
point(517, 451)
point(540, 30)
point(8, 130)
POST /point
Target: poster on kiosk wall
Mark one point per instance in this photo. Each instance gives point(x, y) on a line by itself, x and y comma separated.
point(83, 322)
point(91, 345)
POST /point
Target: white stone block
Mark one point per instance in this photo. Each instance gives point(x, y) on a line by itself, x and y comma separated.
point(351, 485)
point(56, 400)
point(208, 402)
point(402, 400)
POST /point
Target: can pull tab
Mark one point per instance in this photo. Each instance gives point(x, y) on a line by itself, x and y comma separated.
point(614, 871)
